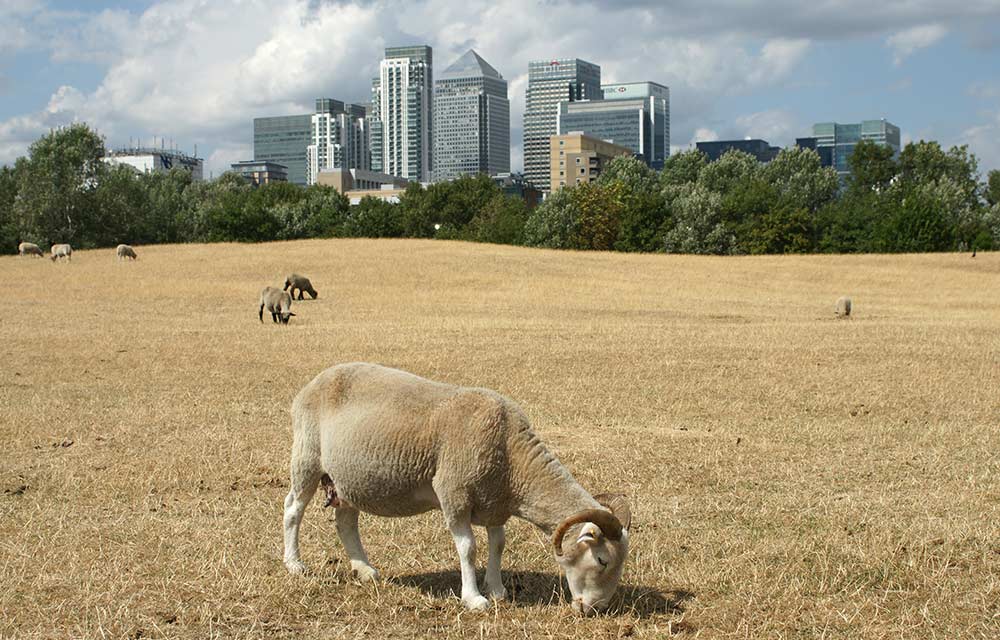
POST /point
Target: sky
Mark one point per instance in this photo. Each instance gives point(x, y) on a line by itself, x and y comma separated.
point(196, 72)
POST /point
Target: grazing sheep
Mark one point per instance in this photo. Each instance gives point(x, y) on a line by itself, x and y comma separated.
point(278, 302)
point(295, 281)
point(843, 309)
point(389, 443)
point(30, 249)
point(61, 251)
point(125, 251)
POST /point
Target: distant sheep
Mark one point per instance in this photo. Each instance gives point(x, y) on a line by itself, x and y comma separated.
point(389, 443)
point(30, 249)
point(61, 251)
point(843, 307)
point(278, 303)
point(295, 281)
point(124, 251)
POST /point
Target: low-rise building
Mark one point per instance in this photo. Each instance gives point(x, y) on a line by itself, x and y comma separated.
point(760, 149)
point(515, 184)
point(575, 158)
point(153, 160)
point(261, 172)
point(358, 183)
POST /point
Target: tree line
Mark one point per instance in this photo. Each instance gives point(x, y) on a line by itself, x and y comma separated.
point(926, 199)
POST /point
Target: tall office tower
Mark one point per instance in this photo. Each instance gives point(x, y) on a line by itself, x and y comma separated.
point(284, 140)
point(339, 138)
point(636, 115)
point(835, 142)
point(549, 83)
point(401, 113)
point(471, 120)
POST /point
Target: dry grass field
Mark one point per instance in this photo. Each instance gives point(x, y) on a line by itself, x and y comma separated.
point(792, 475)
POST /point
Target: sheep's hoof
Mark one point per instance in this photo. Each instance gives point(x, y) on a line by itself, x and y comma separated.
point(476, 603)
point(295, 567)
point(365, 572)
point(497, 594)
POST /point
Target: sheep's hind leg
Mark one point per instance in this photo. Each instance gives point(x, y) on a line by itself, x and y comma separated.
point(347, 529)
point(494, 585)
point(304, 483)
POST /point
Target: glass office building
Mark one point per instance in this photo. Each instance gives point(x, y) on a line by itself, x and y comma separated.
point(841, 139)
point(634, 115)
point(472, 120)
point(284, 140)
point(549, 83)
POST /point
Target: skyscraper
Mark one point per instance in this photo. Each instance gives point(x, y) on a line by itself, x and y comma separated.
point(837, 141)
point(339, 138)
point(401, 113)
point(471, 120)
point(284, 140)
point(635, 115)
point(549, 83)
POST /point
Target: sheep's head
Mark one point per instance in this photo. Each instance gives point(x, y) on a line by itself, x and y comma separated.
point(594, 562)
point(285, 315)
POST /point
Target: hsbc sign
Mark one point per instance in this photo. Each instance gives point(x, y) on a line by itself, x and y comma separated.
point(635, 90)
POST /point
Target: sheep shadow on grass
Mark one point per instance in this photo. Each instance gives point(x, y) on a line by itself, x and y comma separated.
point(528, 588)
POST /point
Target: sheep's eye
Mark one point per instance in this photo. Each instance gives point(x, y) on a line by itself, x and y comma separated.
point(604, 563)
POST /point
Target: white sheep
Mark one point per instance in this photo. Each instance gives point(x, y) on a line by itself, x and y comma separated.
point(395, 444)
point(61, 251)
point(30, 249)
point(278, 303)
point(124, 251)
point(295, 281)
point(843, 308)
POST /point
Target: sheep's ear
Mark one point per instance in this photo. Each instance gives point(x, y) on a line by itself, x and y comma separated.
point(617, 504)
point(290, 314)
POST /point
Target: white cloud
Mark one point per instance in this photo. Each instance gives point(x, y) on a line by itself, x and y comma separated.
point(199, 72)
point(703, 135)
point(906, 42)
point(984, 141)
point(777, 126)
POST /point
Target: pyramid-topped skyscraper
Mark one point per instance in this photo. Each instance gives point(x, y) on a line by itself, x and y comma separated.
point(472, 120)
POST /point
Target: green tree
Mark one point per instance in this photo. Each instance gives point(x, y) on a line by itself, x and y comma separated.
point(56, 186)
point(683, 168)
point(698, 225)
point(872, 167)
point(501, 221)
point(733, 170)
point(800, 180)
point(166, 204)
point(992, 187)
point(373, 218)
point(641, 209)
point(319, 212)
point(10, 233)
point(417, 212)
point(122, 207)
point(553, 224)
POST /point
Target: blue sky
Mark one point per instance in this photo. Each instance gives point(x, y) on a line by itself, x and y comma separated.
point(197, 72)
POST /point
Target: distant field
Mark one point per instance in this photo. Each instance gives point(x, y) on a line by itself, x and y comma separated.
point(792, 475)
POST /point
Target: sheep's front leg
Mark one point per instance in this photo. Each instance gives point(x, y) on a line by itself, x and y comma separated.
point(494, 585)
point(347, 529)
point(465, 542)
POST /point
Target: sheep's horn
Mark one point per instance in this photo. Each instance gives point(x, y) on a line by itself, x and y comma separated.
point(617, 503)
point(606, 520)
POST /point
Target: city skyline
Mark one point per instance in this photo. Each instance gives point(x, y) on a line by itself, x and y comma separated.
point(763, 70)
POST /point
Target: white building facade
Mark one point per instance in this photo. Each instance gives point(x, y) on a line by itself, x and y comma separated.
point(401, 114)
point(339, 138)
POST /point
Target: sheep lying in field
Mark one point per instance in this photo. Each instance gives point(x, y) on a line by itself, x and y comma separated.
point(278, 303)
point(29, 249)
point(295, 281)
point(843, 308)
point(124, 251)
point(389, 443)
point(61, 251)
